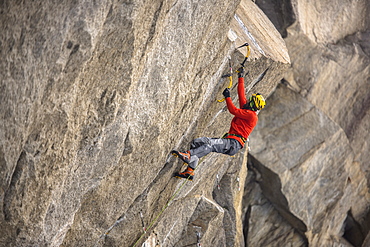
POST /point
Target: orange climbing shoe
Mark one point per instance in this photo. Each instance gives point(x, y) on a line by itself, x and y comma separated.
point(182, 156)
point(188, 174)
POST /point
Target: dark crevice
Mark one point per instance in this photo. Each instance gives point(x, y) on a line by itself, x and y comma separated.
point(152, 29)
point(3, 168)
point(222, 197)
point(199, 222)
point(11, 192)
point(128, 149)
point(261, 76)
point(246, 224)
point(154, 22)
point(280, 13)
point(271, 188)
point(354, 232)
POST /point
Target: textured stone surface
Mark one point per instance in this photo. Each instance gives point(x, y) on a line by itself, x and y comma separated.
point(330, 21)
point(256, 31)
point(95, 95)
point(280, 12)
point(313, 136)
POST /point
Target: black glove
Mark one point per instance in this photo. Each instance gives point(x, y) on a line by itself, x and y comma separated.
point(226, 93)
point(240, 72)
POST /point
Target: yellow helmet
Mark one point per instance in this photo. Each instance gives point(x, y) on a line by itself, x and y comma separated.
point(257, 101)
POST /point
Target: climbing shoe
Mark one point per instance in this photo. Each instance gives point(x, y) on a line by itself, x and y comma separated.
point(182, 156)
point(188, 174)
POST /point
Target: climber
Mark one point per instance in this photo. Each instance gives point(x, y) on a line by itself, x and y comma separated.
point(245, 119)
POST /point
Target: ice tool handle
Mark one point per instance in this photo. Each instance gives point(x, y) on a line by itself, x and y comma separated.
point(231, 69)
point(248, 53)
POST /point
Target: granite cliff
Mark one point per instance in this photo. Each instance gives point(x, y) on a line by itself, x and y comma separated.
point(310, 151)
point(96, 93)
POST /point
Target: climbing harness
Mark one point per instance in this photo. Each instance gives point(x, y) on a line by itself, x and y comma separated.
point(231, 69)
point(239, 136)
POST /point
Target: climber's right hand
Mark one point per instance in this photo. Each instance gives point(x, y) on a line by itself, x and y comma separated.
point(226, 93)
point(240, 72)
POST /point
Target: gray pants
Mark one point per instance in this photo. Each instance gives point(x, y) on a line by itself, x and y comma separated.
point(204, 145)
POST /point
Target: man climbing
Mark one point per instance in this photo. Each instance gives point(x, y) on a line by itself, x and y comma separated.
point(245, 119)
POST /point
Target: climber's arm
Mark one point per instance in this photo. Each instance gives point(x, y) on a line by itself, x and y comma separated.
point(241, 92)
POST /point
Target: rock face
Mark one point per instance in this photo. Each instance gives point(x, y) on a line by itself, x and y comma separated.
point(95, 94)
point(312, 141)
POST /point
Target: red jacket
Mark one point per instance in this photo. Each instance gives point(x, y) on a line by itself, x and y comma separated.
point(245, 120)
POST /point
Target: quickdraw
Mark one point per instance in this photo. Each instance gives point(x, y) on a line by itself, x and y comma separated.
point(218, 182)
point(142, 221)
point(198, 231)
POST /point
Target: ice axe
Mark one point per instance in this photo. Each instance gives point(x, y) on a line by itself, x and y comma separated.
point(231, 69)
point(248, 53)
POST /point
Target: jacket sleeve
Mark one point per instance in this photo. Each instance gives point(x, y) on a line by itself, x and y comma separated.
point(241, 92)
point(241, 113)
